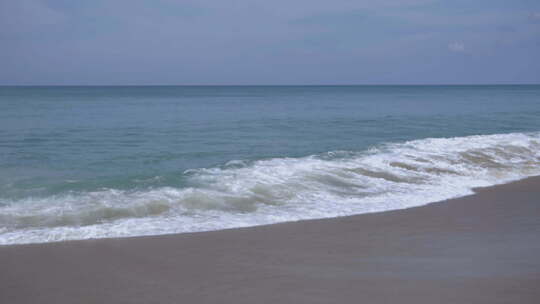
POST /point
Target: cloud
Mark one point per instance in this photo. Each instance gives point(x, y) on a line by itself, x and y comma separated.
point(26, 16)
point(534, 16)
point(456, 46)
point(263, 42)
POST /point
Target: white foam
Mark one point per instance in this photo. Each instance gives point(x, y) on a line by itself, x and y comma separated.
point(241, 194)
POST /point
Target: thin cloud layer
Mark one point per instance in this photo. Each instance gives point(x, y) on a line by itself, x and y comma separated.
point(268, 42)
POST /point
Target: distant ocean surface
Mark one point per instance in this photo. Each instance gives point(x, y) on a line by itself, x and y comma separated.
point(96, 162)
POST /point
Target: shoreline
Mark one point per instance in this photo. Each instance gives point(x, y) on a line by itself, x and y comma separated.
point(246, 193)
point(475, 190)
point(481, 248)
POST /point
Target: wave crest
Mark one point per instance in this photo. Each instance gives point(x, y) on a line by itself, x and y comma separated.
point(240, 193)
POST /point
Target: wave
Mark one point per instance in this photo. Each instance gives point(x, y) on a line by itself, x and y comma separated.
point(242, 193)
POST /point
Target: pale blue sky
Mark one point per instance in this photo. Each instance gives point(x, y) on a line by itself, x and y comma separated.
point(269, 42)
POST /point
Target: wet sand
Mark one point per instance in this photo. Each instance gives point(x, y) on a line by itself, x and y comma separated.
point(483, 248)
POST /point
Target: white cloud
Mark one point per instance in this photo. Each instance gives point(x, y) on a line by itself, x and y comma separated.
point(456, 46)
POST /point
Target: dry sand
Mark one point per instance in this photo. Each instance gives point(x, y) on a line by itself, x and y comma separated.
point(483, 248)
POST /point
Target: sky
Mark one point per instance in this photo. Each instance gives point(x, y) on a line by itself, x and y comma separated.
point(250, 42)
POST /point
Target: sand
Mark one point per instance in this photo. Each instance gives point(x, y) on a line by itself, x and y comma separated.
point(483, 248)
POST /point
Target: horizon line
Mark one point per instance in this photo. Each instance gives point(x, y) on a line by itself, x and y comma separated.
point(261, 85)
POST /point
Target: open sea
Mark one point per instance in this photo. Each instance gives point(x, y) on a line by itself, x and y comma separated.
point(97, 162)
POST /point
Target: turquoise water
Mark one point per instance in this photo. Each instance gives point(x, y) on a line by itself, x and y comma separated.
point(85, 162)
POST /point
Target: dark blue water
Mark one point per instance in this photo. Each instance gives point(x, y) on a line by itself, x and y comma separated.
point(58, 141)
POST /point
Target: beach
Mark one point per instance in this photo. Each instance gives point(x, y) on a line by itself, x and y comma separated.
point(482, 248)
point(266, 152)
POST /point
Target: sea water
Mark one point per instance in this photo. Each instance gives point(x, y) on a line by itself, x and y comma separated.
point(96, 162)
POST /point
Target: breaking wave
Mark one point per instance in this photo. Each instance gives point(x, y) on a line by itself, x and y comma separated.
point(242, 193)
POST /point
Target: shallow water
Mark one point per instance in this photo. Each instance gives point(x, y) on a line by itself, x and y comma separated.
point(91, 162)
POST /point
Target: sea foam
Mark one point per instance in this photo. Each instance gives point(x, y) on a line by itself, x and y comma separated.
point(242, 193)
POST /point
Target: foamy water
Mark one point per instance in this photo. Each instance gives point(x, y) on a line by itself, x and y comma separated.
point(248, 193)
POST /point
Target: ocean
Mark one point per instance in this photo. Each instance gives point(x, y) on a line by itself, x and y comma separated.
point(106, 161)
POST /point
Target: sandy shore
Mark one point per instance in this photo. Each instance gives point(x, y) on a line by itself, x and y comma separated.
point(483, 248)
